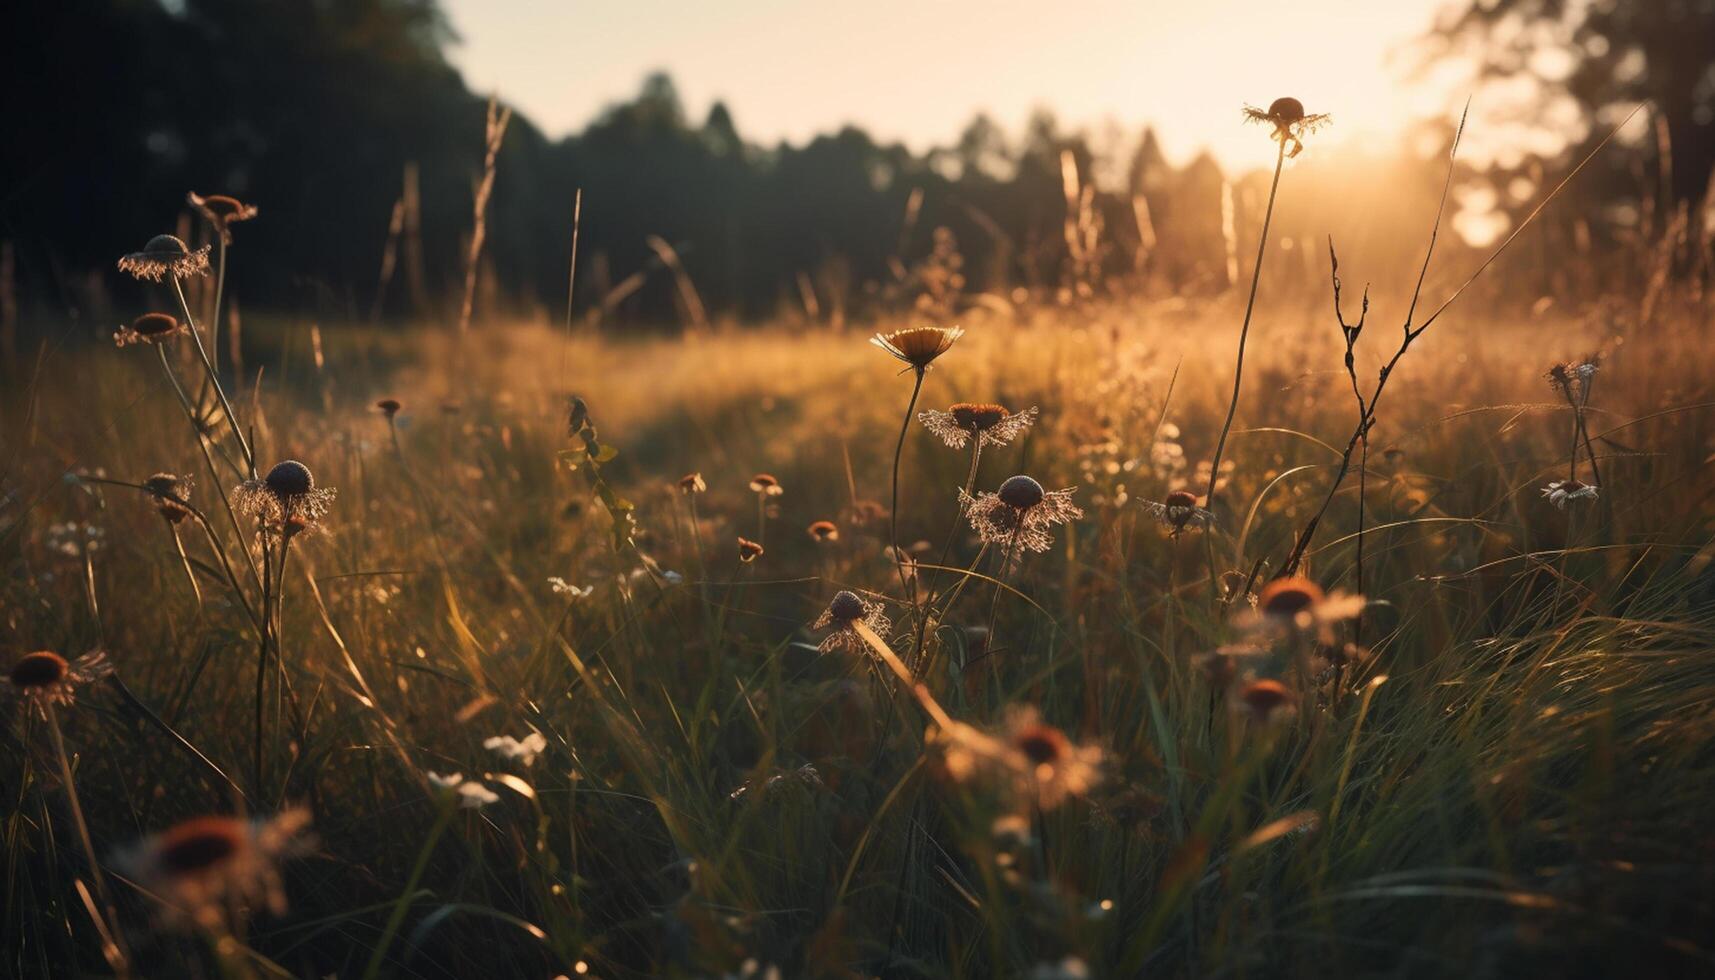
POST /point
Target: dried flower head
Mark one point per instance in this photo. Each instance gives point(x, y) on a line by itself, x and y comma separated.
point(221, 212)
point(748, 550)
point(1053, 767)
point(918, 346)
point(150, 328)
point(1029, 758)
point(166, 256)
point(1291, 123)
point(845, 610)
point(1265, 700)
point(993, 424)
point(44, 678)
point(1020, 514)
point(824, 532)
point(1179, 511)
point(692, 483)
point(766, 484)
point(1562, 492)
point(388, 407)
point(286, 501)
point(1297, 605)
point(213, 871)
point(172, 493)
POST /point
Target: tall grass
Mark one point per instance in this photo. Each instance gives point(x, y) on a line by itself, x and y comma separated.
point(1513, 783)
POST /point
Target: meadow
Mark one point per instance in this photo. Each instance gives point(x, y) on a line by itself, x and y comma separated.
point(542, 661)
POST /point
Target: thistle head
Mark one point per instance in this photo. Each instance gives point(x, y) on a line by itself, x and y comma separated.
point(1021, 492)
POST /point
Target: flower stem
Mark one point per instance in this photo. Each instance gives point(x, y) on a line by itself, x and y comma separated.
point(112, 945)
point(909, 584)
point(1244, 331)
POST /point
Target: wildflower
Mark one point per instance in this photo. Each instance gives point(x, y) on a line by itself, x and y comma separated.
point(1296, 604)
point(1562, 492)
point(844, 612)
point(1021, 512)
point(1054, 768)
point(523, 750)
point(1030, 758)
point(766, 485)
point(692, 483)
point(44, 678)
point(208, 868)
point(824, 532)
point(286, 501)
point(172, 495)
point(1265, 700)
point(1291, 123)
point(748, 550)
point(388, 407)
point(221, 212)
point(166, 256)
point(918, 346)
point(993, 424)
point(471, 795)
point(565, 588)
point(1179, 511)
point(150, 328)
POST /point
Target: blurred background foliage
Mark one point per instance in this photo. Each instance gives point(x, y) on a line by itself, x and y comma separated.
point(346, 124)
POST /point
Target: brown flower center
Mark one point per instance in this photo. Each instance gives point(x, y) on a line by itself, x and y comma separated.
point(846, 607)
point(1041, 744)
point(40, 669)
point(1289, 597)
point(154, 324)
point(977, 418)
point(290, 479)
point(1021, 492)
point(200, 845)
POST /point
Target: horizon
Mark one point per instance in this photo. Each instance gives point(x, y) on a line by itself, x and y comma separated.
point(1329, 56)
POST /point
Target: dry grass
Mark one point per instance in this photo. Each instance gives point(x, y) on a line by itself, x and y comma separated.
point(1512, 779)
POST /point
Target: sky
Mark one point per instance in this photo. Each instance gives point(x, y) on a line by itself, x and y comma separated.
point(918, 70)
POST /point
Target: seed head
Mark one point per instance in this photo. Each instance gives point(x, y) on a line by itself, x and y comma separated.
point(1291, 123)
point(168, 489)
point(166, 256)
point(993, 424)
point(150, 328)
point(44, 679)
point(42, 669)
point(221, 212)
point(824, 532)
point(290, 479)
point(845, 607)
point(767, 485)
point(1020, 492)
point(844, 611)
point(388, 407)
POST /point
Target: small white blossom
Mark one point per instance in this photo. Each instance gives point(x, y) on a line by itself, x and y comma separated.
point(565, 588)
point(474, 796)
point(524, 750)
